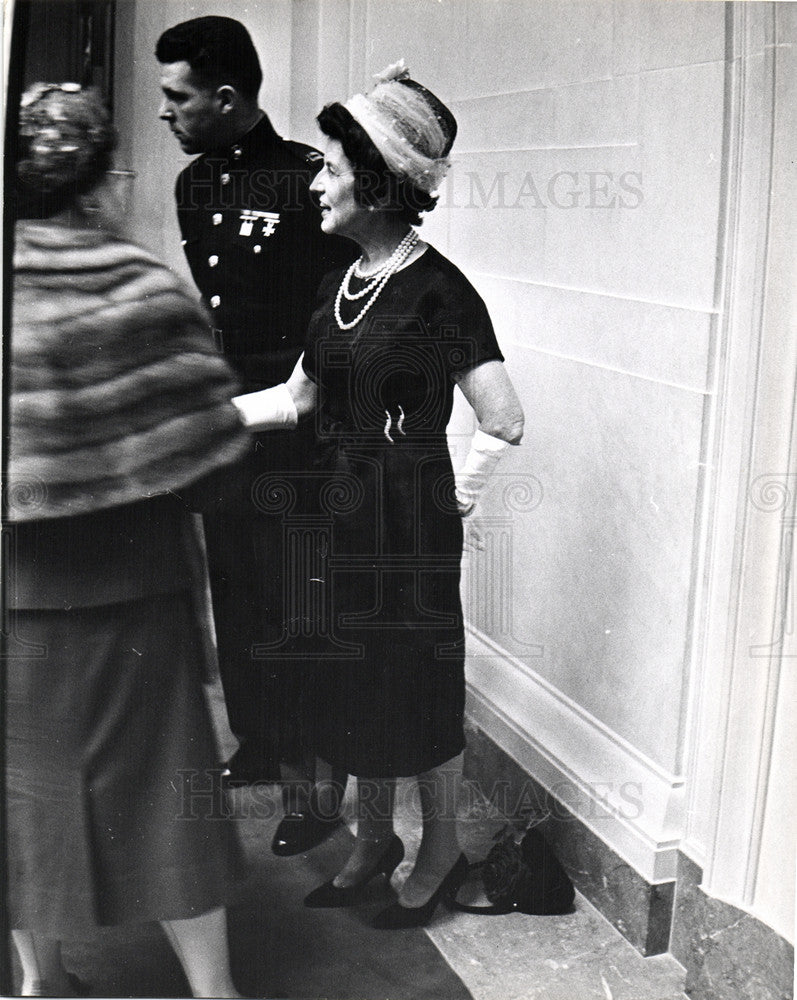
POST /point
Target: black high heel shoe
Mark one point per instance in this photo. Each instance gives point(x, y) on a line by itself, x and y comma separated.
point(303, 829)
point(397, 916)
point(329, 895)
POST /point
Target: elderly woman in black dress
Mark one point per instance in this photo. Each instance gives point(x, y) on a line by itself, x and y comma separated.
point(389, 340)
point(118, 404)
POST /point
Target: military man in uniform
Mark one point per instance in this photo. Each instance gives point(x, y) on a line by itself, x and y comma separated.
point(251, 234)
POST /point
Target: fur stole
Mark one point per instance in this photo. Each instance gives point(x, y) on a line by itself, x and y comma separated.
point(117, 391)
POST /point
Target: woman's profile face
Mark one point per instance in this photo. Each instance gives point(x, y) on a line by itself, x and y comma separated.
point(341, 213)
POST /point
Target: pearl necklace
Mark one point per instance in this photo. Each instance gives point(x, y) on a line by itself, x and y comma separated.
point(377, 281)
point(408, 240)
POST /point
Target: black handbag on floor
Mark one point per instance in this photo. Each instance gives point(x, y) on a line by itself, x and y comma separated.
point(526, 877)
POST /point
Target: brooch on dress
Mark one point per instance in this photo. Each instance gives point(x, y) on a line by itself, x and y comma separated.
point(399, 424)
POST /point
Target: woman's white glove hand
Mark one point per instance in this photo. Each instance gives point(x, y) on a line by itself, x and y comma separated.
point(485, 453)
point(268, 410)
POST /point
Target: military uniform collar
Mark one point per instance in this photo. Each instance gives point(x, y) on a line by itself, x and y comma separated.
point(260, 134)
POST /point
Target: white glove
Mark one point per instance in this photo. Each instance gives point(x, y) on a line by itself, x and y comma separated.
point(268, 410)
point(485, 453)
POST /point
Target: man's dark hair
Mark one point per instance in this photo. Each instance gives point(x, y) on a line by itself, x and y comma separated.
point(219, 50)
point(374, 183)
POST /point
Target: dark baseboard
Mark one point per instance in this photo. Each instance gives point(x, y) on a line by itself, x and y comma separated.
point(727, 954)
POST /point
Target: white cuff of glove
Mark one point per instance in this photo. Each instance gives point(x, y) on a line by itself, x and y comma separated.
point(485, 453)
point(268, 410)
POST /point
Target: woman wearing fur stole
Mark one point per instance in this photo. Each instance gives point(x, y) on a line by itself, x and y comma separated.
point(119, 404)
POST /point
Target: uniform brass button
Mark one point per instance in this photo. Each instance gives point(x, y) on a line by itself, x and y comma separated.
point(217, 218)
point(257, 248)
point(213, 260)
point(183, 242)
point(225, 178)
point(215, 301)
point(237, 153)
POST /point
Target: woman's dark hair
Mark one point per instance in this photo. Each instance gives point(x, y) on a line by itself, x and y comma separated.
point(219, 50)
point(374, 183)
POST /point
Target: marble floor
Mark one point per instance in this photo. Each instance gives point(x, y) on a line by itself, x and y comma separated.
point(579, 956)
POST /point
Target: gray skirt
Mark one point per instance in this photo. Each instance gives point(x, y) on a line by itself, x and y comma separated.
point(109, 751)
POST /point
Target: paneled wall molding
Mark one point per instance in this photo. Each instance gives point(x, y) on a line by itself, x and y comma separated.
point(492, 95)
point(612, 368)
point(547, 147)
point(740, 612)
point(593, 291)
point(630, 802)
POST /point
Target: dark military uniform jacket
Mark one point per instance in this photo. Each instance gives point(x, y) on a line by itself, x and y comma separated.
point(251, 233)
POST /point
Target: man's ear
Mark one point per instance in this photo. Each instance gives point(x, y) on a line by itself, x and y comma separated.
point(228, 98)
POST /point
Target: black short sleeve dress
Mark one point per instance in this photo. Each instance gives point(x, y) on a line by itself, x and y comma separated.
point(391, 694)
